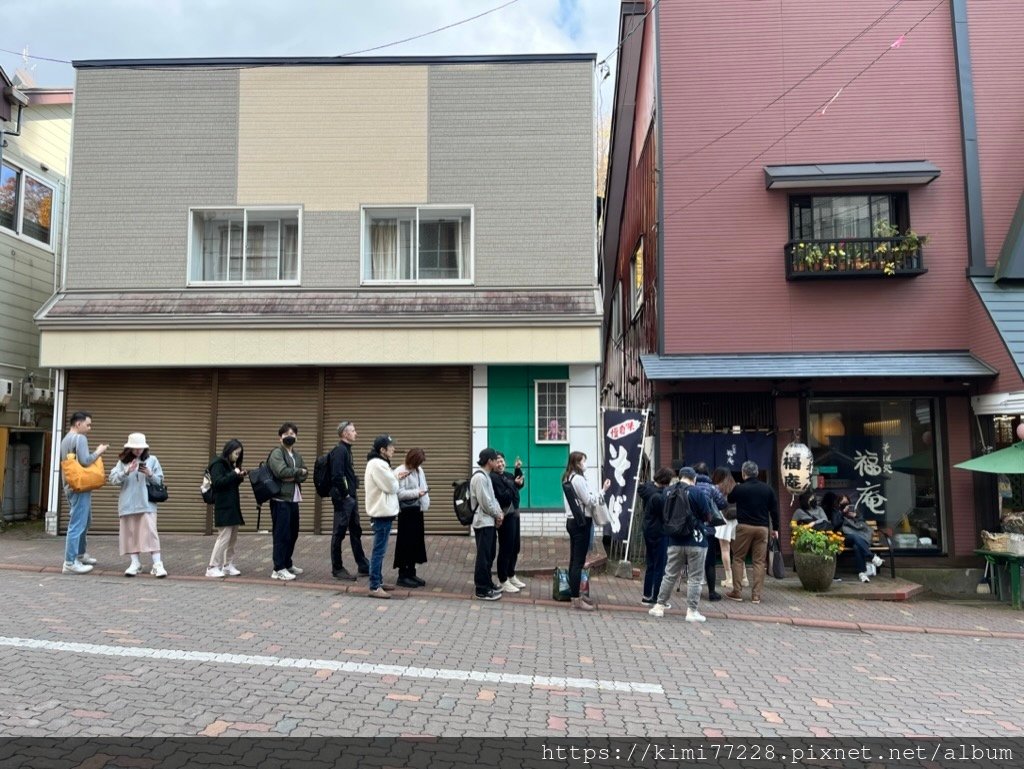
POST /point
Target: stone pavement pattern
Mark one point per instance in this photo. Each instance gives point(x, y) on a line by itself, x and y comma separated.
point(722, 678)
point(450, 573)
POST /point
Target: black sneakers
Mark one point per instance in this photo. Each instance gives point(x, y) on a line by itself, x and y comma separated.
point(344, 573)
point(490, 595)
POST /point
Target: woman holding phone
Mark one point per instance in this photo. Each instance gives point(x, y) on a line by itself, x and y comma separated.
point(136, 470)
point(584, 499)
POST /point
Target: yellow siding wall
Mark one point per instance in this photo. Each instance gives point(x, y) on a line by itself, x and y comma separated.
point(373, 120)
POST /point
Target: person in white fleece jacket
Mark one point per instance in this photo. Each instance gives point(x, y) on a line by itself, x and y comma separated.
point(381, 488)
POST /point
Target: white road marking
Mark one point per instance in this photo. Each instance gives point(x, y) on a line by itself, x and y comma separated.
point(365, 668)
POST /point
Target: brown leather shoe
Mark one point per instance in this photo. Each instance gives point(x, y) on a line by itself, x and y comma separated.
point(579, 603)
point(734, 595)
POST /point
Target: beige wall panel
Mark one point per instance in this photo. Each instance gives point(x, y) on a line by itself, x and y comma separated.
point(332, 138)
point(319, 347)
point(46, 136)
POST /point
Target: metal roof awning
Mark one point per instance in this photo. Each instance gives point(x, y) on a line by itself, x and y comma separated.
point(815, 365)
point(1004, 302)
point(830, 175)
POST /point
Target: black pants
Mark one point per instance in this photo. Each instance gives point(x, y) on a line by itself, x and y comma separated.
point(709, 564)
point(285, 531)
point(579, 544)
point(486, 542)
point(508, 546)
point(346, 519)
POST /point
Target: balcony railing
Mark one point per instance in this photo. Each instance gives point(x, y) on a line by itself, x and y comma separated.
point(861, 257)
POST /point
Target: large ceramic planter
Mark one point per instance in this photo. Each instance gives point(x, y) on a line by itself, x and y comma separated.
point(815, 571)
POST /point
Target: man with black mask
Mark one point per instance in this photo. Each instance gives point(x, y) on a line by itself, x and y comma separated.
point(288, 467)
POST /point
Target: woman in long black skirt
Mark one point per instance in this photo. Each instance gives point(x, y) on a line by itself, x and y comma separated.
point(413, 502)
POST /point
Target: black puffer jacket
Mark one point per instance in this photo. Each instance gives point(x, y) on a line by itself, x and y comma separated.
point(227, 507)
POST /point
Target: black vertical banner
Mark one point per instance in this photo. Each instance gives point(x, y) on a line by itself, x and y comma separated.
point(624, 433)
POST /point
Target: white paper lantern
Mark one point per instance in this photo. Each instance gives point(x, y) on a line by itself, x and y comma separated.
point(797, 467)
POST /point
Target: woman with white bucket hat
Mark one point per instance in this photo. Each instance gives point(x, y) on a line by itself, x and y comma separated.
point(136, 472)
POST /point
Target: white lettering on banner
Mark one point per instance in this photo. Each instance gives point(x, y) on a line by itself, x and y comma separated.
point(866, 463)
point(886, 460)
point(622, 429)
point(618, 458)
point(615, 507)
point(872, 499)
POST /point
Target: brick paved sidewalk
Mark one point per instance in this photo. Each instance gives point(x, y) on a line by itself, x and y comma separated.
point(449, 573)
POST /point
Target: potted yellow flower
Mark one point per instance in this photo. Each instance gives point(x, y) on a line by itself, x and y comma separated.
point(814, 555)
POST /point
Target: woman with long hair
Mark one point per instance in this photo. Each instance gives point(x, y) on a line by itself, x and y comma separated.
point(226, 475)
point(580, 533)
point(135, 472)
point(413, 502)
point(722, 478)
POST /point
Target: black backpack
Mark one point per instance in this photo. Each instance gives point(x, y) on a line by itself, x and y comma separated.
point(322, 474)
point(678, 516)
point(461, 501)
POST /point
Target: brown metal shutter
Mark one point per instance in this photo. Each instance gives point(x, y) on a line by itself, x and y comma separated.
point(428, 407)
point(173, 409)
point(251, 405)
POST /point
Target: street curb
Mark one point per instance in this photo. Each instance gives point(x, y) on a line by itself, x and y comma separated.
point(405, 593)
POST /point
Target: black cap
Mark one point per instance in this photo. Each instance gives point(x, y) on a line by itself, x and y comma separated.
point(381, 442)
point(688, 473)
point(487, 455)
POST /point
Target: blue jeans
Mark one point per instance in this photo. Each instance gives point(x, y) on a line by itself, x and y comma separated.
point(79, 516)
point(381, 532)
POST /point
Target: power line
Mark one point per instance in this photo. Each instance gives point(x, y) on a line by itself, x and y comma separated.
point(350, 53)
point(789, 90)
point(626, 37)
point(824, 104)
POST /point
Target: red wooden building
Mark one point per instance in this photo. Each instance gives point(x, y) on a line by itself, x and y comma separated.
point(814, 222)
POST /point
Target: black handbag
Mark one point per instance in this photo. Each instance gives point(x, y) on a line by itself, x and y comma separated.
point(265, 484)
point(776, 567)
point(157, 492)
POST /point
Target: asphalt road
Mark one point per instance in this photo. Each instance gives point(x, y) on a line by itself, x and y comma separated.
point(107, 656)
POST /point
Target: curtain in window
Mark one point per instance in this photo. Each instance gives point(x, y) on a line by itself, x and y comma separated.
point(384, 249)
point(464, 246)
point(290, 252)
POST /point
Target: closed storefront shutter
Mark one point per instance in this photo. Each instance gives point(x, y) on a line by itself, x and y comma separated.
point(251, 405)
point(428, 407)
point(173, 410)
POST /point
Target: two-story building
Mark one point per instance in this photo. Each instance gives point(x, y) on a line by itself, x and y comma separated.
point(795, 241)
point(35, 144)
point(408, 243)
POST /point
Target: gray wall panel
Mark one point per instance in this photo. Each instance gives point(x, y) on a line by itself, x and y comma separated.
point(330, 249)
point(147, 145)
point(516, 140)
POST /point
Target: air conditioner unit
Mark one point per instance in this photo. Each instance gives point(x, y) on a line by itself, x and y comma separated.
point(6, 391)
point(40, 395)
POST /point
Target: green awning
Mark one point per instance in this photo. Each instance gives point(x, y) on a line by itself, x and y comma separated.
point(1008, 460)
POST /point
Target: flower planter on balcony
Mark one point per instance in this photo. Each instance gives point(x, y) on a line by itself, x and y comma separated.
point(861, 258)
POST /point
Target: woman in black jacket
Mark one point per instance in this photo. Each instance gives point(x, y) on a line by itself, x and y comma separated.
point(652, 494)
point(226, 475)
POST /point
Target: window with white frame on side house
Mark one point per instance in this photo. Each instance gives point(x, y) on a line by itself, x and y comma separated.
point(26, 204)
point(417, 244)
point(250, 245)
point(551, 410)
point(636, 279)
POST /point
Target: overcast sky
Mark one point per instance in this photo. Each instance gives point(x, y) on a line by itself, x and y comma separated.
point(116, 29)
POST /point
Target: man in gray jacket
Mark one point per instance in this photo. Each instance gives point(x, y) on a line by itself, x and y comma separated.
point(486, 517)
point(76, 560)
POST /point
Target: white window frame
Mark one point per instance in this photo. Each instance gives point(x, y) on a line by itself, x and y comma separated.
point(297, 280)
point(19, 209)
point(636, 292)
point(364, 278)
point(536, 412)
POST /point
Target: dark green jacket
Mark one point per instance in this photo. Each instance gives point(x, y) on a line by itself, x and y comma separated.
point(288, 470)
point(227, 507)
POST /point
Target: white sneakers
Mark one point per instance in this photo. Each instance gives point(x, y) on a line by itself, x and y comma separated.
point(692, 615)
point(75, 567)
point(517, 582)
point(283, 574)
point(158, 570)
point(876, 562)
point(864, 577)
point(508, 587)
point(87, 559)
point(295, 570)
point(132, 570)
point(215, 572)
point(658, 610)
point(870, 569)
point(231, 571)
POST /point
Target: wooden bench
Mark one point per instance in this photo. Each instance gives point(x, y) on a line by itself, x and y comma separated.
point(1000, 561)
point(881, 545)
